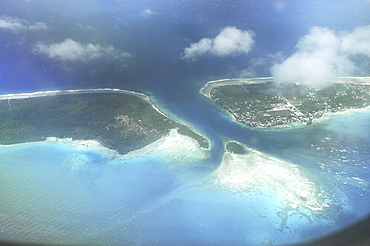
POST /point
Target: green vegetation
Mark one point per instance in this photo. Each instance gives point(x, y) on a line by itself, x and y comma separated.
point(264, 105)
point(235, 148)
point(188, 132)
point(118, 121)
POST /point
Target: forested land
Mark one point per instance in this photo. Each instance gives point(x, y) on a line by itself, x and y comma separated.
point(121, 122)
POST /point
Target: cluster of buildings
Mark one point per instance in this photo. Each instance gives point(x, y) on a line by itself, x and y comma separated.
point(299, 104)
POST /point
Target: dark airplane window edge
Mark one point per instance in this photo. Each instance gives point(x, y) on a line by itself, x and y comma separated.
point(356, 235)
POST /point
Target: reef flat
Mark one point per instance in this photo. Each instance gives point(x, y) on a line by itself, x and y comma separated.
point(261, 103)
point(119, 120)
point(247, 170)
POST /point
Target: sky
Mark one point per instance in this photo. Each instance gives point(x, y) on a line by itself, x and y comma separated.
point(145, 44)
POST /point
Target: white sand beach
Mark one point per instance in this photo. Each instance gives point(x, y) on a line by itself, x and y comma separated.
point(258, 171)
point(207, 88)
point(178, 149)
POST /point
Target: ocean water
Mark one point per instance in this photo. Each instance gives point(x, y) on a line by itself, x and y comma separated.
point(310, 181)
point(293, 184)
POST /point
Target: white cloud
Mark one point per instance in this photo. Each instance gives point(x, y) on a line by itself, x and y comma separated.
point(357, 42)
point(248, 73)
point(230, 41)
point(70, 50)
point(198, 49)
point(16, 24)
point(260, 65)
point(322, 55)
point(280, 5)
point(147, 12)
point(84, 27)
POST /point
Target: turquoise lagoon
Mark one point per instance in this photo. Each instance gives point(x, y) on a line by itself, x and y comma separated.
point(74, 192)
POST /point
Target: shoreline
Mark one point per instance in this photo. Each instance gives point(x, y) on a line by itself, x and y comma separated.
point(77, 143)
point(210, 85)
point(179, 148)
point(14, 96)
point(295, 125)
point(207, 88)
point(148, 99)
point(323, 118)
point(354, 80)
point(170, 115)
point(143, 96)
point(344, 112)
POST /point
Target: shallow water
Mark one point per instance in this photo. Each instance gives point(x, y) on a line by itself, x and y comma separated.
point(55, 192)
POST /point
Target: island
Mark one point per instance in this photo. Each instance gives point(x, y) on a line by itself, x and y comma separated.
point(234, 147)
point(261, 103)
point(120, 120)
